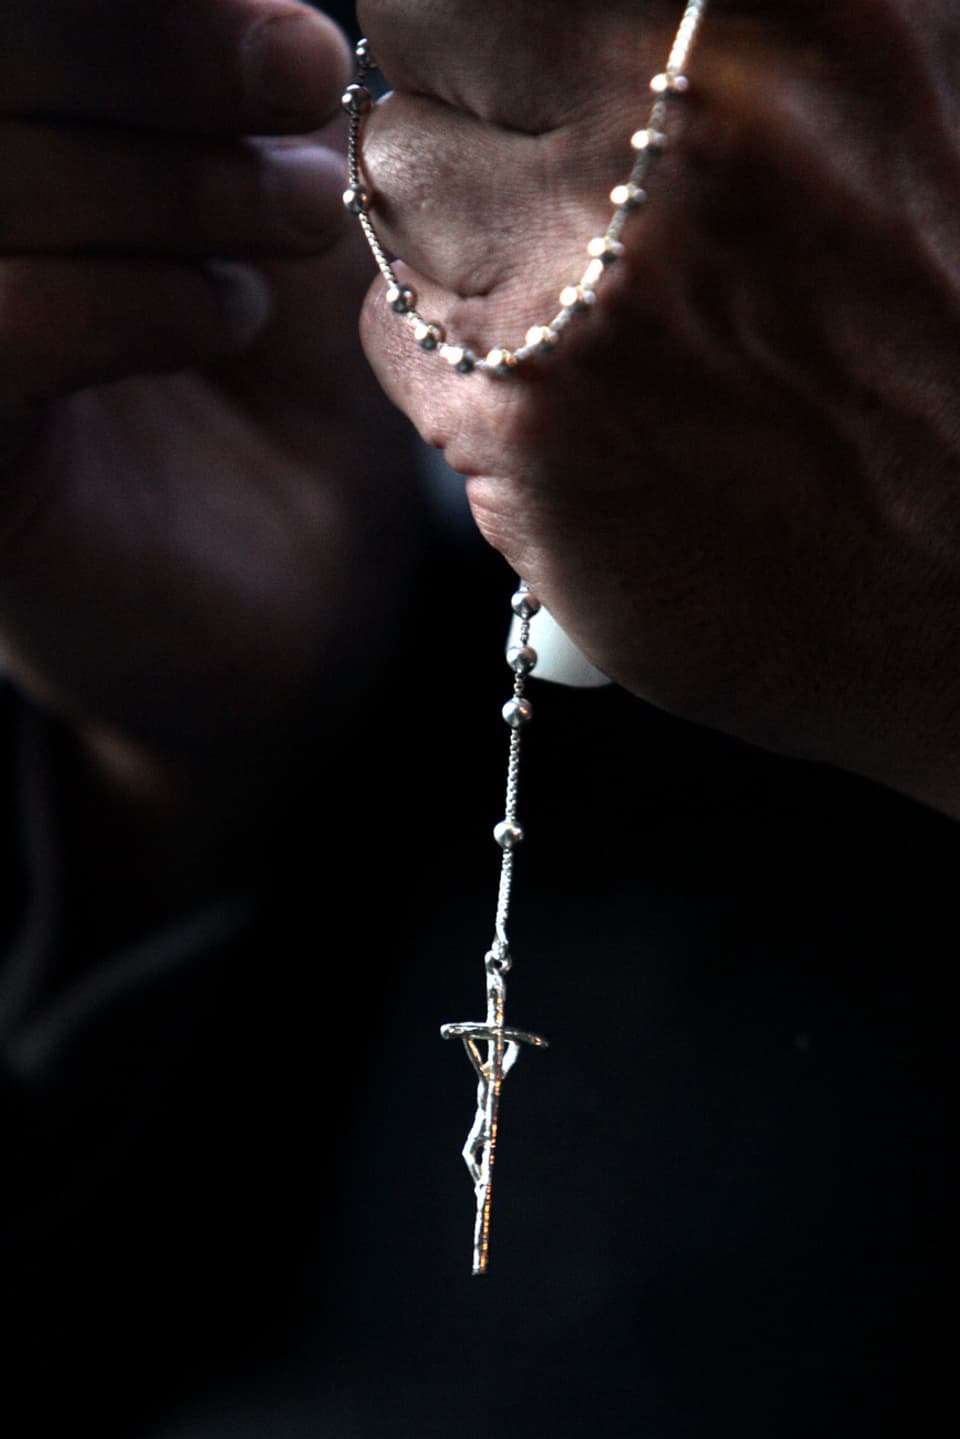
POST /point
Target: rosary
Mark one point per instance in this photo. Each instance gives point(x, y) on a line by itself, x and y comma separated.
point(491, 1045)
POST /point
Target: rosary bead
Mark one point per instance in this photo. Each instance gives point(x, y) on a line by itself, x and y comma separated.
point(576, 298)
point(648, 140)
point(669, 83)
point(460, 359)
point(522, 658)
point(605, 250)
point(524, 605)
point(401, 299)
point(427, 335)
point(508, 835)
point(501, 362)
point(356, 200)
point(541, 338)
point(517, 712)
point(356, 100)
point(627, 197)
point(593, 274)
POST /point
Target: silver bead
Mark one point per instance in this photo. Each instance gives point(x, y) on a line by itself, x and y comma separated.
point(593, 274)
point(356, 200)
point(669, 83)
point(364, 54)
point(605, 250)
point(522, 658)
point(460, 359)
point(427, 335)
point(501, 362)
point(576, 298)
point(507, 834)
point(648, 140)
point(401, 299)
point(542, 339)
point(628, 196)
point(524, 605)
point(517, 712)
point(356, 100)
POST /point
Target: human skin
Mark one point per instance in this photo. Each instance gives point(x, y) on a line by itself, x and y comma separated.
point(198, 531)
point(737, 482)
point(207, 523)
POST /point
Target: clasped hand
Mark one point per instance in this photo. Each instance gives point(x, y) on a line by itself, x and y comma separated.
point(736, 484)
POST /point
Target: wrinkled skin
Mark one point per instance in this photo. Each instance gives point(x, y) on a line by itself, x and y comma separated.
point(197, 523)
point(737, 485)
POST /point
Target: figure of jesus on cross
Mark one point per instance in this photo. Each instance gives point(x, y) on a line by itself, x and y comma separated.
point(503, 1047)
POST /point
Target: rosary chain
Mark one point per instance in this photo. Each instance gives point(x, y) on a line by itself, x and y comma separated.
point(517, 712)
point(503, 1043)
point(604, 250)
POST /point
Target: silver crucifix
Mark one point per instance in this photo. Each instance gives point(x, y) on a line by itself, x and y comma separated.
point(503, 1047)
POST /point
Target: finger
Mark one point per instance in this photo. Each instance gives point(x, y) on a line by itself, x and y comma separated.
point(67, 189)
point(67, 324)
point(210, 66)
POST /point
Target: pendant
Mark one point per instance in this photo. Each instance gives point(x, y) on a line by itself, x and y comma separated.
point(502, 1050)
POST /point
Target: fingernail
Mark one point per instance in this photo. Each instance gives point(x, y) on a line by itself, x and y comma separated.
point(296, 66)
point(307, 183)
point(245, 298)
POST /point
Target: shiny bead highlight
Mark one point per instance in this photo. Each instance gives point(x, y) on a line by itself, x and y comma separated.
point(501, 362)
point(522, 659)
point(356, 100)
point(668, 83)
point(508, 835)
point(517, 712)
point(542, 339)
point(401, 299)
point(627, 197)
point(652, 140)
point(593, 274)
point(524, 605)
point(577, 298)
point(605, 250)
point(460, 359)
point(428, 336)
point(356, 200)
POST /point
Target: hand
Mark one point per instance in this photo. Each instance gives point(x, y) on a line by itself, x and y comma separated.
point(196, 521)
point(737, 483)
